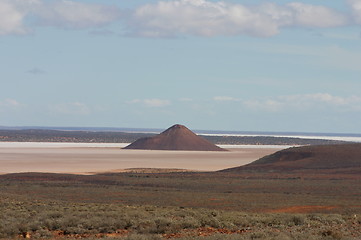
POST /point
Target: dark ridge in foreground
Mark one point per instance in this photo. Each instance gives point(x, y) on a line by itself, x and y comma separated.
point(177, 137)
point(342, 158)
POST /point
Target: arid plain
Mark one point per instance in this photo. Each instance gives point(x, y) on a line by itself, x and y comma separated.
point(93, 158)
point(154, 204)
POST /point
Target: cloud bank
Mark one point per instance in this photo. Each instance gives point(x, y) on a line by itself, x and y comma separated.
point(11, 18)
point(15, 15)
point(174, 18)
point(71, 14)
point(301, 102)
point(356, 10)
point(205, 18)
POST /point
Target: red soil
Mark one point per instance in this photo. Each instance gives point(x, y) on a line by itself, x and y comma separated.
point(203, 232)
point(61, 235)
point(303, 209)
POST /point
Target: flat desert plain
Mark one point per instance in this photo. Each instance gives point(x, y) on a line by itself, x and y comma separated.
point(94, 158)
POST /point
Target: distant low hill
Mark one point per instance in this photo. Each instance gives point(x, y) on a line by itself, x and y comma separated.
point(177, 137)
point(48, 135)
point(341, 158)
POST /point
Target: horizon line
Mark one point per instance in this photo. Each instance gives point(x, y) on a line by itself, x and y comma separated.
point(157, 130)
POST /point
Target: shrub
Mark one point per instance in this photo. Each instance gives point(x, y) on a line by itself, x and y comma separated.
point(42, 233)
point(297, 220)
point(188, 222)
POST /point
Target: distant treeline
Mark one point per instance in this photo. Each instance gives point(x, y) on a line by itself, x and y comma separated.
point(267, 140)
point(40, 135)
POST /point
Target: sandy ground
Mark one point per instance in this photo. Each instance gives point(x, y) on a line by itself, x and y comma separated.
point(83, 158)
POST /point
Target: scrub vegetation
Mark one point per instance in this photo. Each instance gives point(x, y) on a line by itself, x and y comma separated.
point(54, 219)
point(178, 206)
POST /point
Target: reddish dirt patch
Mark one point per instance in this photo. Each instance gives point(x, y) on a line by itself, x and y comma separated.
point(303, 209)
point(203, 232)
point(62, 235)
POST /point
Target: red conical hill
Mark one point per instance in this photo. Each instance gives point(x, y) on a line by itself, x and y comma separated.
point(177, 137)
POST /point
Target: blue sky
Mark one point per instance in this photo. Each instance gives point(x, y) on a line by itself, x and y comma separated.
point(217, 65)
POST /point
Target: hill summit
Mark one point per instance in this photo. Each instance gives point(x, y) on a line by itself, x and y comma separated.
point(177, 137)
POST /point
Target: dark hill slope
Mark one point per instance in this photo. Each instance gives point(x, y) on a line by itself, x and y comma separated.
point(177, 137)
point(338, 158)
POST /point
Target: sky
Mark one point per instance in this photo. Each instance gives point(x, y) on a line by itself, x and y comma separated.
point(247, 65)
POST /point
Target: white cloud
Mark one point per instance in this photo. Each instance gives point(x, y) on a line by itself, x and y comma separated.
point(306, 102)
point(60, 13)
point(154, 102)
point(317, 97)
point(225, 98)
point(74, 108)
point(9, 103)
point(316, 16)
point(200, 17)
point(11, 18)
point(134, 101)
point(206, 18)
point(265, 105)
point(72, 14)
point(356, 10)
point(173, 18)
